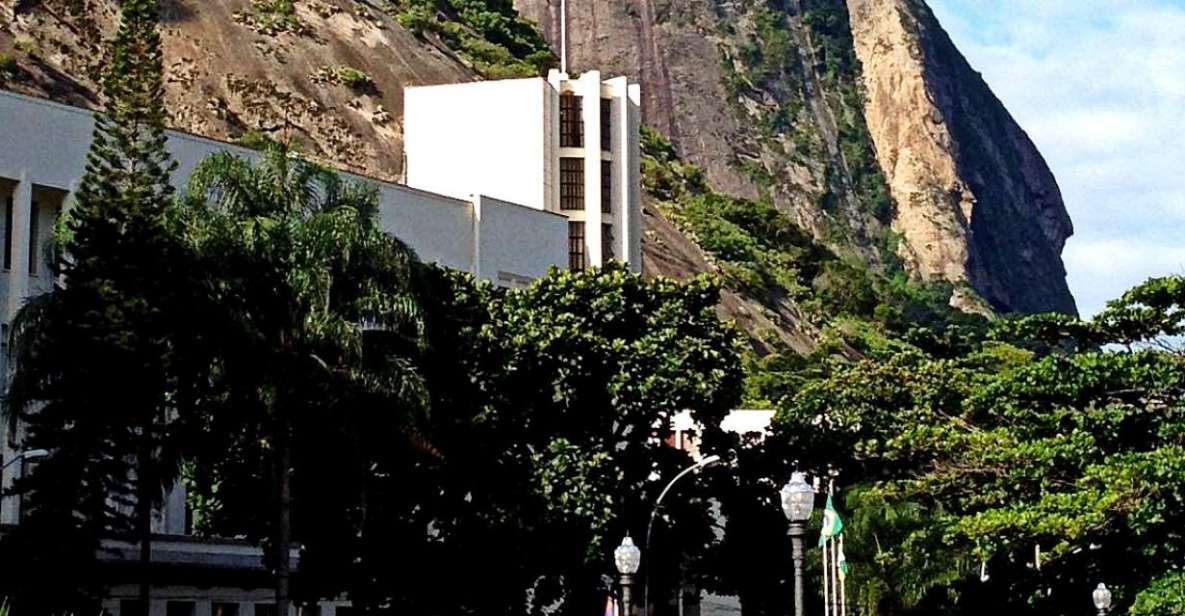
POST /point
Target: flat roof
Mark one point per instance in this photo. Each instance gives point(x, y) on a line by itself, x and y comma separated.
point(237, 148)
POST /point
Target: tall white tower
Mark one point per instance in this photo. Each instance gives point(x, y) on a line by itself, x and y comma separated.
point(563, 145)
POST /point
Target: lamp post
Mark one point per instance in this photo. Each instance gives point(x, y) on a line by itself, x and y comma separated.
point(706, 462)
point(628, 558)
point(28, 454)
point(1102, 599)
point(798, 501)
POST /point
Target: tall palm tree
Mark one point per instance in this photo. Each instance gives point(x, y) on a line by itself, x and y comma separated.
point(312, 300)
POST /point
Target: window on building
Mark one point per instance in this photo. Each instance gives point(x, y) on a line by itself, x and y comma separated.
point(576, 259)
point(607, 242)
point(571, 121)
point(606, 186)
point(179, 608)
point(606, 124)
point(131, 607)
point(34, 244)
point(8, 234)
point(571, 183)
point(224, 609)
point(265, 609)
point(3, 355)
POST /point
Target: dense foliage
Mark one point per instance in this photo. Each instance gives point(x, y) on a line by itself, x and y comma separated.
point(310, 323)
point(549, 412)
point(97, 359)
point(1046, 465)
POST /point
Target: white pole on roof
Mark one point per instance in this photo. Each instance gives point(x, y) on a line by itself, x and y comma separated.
point(564, 36)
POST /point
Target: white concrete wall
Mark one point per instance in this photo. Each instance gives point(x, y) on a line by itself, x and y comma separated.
point(504, 256)
point(478, 138)
point(502, 139)
point(440, 229)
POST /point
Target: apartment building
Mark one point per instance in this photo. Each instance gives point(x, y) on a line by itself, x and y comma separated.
point(561, 144)
point(482, 198)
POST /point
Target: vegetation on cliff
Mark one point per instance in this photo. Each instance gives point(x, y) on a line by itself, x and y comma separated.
point(797, 79)
point(489, 34)
point(763, 255)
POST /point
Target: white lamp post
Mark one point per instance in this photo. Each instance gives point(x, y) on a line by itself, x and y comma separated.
point(1102, 599)
point(706, 462)
point(627, 557)
point(798, 501)
point(28, 454)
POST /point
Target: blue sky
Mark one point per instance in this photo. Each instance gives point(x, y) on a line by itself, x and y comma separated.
point(1099, 85)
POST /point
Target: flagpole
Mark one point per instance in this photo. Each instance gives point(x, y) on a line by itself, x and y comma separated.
point(835, 578)
point(830, 548)
point(843, 583)
point(826, 574)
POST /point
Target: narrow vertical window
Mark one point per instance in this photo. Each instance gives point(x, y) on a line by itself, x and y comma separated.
point(8, 234)
point(34, 241)
point(606, 187)
point(4, 354)
point(571, 121)
point(607, 243)
point(571, 183)
point(606, 124)
point(576, 246)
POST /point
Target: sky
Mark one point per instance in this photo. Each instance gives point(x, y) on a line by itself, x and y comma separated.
point(1099, 85)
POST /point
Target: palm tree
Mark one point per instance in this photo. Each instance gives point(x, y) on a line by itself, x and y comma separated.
point(312, 300)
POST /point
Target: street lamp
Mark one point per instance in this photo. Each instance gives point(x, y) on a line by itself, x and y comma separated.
point(28, 454)
point(1102, 599)
point(798, 501)
point(706, 462)
point(628, 558)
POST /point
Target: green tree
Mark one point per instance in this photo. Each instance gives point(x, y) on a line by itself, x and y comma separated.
point(94, 359)
point(974, 463)
point(311, 325)
point(550, 409)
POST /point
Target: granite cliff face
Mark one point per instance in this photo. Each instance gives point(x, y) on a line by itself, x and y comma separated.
point(828, 108)
point(976, 201)
point(236, 70)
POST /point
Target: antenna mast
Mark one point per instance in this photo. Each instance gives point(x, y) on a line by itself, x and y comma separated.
point(564, 36)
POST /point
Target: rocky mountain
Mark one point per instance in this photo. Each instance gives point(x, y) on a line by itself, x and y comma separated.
point(859, 122)
point(859, 119)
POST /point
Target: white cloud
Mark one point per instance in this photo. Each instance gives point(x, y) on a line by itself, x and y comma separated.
point(1100, 87)
point(1101, 270)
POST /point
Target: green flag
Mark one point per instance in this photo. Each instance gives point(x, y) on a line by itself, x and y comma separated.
point(832, 525)
point(843, 562)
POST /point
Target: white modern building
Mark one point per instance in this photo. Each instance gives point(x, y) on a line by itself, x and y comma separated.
point(568, 146)
point(505, 180)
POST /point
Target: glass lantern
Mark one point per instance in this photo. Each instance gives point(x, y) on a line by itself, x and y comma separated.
point(1102, 598)
point(798, 498)
point(628, 557)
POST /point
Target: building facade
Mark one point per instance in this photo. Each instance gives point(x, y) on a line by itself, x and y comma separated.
point(509, 225)
point(559, 144)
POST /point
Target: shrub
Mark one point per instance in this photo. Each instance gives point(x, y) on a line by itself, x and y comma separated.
point(354, 78)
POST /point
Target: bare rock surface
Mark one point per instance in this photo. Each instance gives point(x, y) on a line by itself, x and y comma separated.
point(976, 201)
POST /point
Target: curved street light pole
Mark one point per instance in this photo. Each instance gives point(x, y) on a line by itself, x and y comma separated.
point(708, 461)
point(28, 454)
